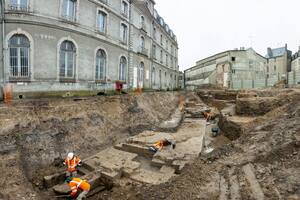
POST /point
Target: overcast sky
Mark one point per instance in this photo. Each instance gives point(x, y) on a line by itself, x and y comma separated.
point(207, 27)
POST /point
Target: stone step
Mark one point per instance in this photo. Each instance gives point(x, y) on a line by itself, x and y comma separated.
point(93, 178)
point(84, 171)
point(135, 148)
point(51, 180)
point(152, 176)
point(256, 190)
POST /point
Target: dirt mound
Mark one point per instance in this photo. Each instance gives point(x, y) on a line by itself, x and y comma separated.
point(262, 164)
point(36, 135)
point(253, 103)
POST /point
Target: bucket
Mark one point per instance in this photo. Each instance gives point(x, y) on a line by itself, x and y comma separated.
point(8, 93)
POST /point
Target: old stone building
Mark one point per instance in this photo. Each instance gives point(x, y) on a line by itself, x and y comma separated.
point(279, 62)
point(294, 74)
point(234, 69)
point(85, 45)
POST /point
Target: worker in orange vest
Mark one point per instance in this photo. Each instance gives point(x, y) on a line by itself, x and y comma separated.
point(158, 146)
point(72, 162)
point(78, 184)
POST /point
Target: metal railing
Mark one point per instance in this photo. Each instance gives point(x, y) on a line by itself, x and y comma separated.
point(18, 8)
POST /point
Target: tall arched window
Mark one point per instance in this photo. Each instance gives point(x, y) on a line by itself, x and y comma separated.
point(122, 69)
point(142, 42)
point(153, 76)
point(141, 73)
point(143, 25)
point(100, 64)
point(67, 60)
point(19, 51)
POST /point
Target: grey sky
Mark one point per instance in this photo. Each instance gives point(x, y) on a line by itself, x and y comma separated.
point(206, 27)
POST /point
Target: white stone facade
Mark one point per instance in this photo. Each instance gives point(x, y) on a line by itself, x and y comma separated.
point(85, 45)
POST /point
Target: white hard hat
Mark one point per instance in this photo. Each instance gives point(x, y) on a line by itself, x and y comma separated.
point(70, 155)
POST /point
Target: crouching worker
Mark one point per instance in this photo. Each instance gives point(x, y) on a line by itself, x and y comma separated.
point(158, 146)
point(72, 162)
point(79, 188)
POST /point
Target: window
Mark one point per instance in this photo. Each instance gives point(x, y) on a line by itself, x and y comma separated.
point(232, 59)
point(19, 50)
point(154, 33)
point(154, 51)
point(153, 76)
point(20, 5)
point(124, 8)
point(122, 69)
point(161, 56)
point(142, 42)
point(67, 60)
point(161, 39)
point(274, 68)
point(142, 20)
point(167, 59)
point(101, 21)
point(124, 33)
point(100, 64)
point(167, 44)
point(69, 8)
point(141, 72)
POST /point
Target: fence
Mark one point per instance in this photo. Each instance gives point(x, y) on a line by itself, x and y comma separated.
point(294, 78)
point(251, 84)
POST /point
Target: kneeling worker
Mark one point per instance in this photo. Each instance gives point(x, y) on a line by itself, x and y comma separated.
point(78, 184)
point(72, 163)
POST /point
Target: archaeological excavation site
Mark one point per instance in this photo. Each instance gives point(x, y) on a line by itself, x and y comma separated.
point(206, 144)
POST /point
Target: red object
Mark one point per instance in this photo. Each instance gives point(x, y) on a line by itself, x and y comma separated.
point(119, 86)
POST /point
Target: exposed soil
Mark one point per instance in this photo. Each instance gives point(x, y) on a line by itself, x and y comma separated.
point(35, 135)
point(261, 162)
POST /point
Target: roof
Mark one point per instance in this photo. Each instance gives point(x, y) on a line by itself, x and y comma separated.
point(276, 52)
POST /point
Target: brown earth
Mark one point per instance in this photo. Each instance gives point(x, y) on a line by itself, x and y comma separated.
point(263, 163)
point(36, 134)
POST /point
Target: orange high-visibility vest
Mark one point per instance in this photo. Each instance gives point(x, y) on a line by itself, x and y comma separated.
point(78, 183)
point(72, 164)
point(159, 145)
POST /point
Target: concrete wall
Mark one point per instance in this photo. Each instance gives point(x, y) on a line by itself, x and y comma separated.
point(46, 29)
point(234, 69)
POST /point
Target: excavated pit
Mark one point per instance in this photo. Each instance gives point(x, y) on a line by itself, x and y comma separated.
point(36, 135)
point(255, 157)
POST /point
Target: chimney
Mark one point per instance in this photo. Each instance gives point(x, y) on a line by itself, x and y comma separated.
point(270, 54)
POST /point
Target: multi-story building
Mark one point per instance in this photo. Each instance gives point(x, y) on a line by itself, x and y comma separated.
point(279, 62)
point(295, 65)
point(234, 69)
point(294, 74)
point(71, 45)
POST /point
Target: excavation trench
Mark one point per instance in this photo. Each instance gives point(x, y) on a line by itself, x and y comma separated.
point(37, 134)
